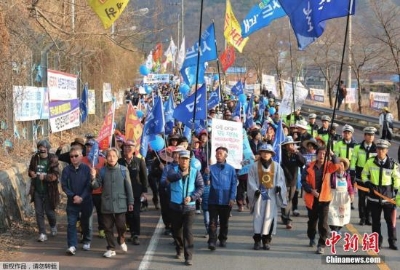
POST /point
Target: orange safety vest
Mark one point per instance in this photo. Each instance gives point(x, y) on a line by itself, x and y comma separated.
point(325, 195)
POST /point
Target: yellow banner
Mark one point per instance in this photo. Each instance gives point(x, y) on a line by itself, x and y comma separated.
point(108, 10)
point(232, 30)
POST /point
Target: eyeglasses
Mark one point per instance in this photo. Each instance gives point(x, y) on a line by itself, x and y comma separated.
point(74, 156)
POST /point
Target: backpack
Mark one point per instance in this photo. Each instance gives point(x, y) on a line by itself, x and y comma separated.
point(122, 168)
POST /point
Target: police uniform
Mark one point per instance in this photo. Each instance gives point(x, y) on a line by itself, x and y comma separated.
point(324, 133)
point(312, 128)
point(382, 175)
point(361, 153)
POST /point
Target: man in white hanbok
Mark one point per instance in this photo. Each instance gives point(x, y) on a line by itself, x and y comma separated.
point(266, 189)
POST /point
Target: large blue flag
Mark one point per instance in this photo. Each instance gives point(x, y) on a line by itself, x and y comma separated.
point(213, 99)
point(187, 133)
point(84, 103)
point(279, 137)
point(261, 15)
point(184, 111)
point(168, 112)
point(93, 155)
point(208, 50)
point(236, 111)
point(238, 88)
point(308, 16)
point(189, 74)
point(155, 120)
point(249, 114)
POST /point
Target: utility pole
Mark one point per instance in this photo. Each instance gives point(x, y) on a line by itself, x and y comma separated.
point(347, 106)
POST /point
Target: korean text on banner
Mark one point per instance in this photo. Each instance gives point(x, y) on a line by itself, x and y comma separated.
point(317, 95)
point(248, 156)
point(232, 30)
point(30, 103)
point(64, 115)
point(230, 135)
point(108, 11)
point(62, 86)
point(378, 100)
point(156, 78)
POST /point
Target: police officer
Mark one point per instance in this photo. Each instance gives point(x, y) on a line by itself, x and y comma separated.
point(312, 127)
point(361, 153)
point(381, 174)
point(323, 131)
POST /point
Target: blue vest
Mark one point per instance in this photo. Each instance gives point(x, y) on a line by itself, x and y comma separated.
point(181, 189)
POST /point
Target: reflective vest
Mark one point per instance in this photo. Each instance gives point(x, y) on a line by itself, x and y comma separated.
point(343, 149)
point(360, 157)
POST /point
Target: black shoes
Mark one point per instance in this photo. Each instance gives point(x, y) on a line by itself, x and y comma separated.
point(266, 247)
point(211, 246)
point(222, 243)
point(393, 246)
point(257, 245)
point(312, 243)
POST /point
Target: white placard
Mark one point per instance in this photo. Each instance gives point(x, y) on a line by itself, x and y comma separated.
point(107, 92)
point(300, 95)
point(270, 83)
point(228, 134)
point(91, 101)
point(30, 103)
point(62, 86)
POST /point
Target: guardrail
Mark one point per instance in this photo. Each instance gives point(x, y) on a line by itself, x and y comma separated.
point(354, 117)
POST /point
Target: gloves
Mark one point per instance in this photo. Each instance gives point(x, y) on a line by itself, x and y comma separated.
point(257, 193)
point(277, 189)
point(371, 187)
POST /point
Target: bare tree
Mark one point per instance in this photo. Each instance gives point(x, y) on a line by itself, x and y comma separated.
point(387, 20)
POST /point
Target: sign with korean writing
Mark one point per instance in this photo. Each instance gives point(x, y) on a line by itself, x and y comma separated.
point(30, 103)
point(107, 92)
point(300, 93)
point(230, 135)
point(270, 84)
point(378, 100)
point(91, 101)
point(156, 78)
point(133, 127)
point(64, 115)
point(62, 86)
point(317, 95)
point(108, 10)
point(240, 70)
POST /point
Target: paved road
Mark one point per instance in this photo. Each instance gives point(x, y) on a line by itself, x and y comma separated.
point(289, 248)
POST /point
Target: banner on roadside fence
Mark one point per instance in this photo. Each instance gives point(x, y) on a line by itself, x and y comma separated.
point(62, 86)
point(64, 115)
point(107, 92)
point(317, 95)
point(91, 101)
point(378, 100)
point(30, 103)
point(156, 78)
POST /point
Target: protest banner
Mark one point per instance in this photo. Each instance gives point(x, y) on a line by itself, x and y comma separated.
point(30, 103)
point(62, 86)
point(230, 135)
point(64, 115)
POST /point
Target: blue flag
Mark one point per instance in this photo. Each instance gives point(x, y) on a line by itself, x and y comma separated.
point(236, 111)
point(189, 74)
point(208, 50)
point(184, 111)
point(213, 98)
point(187, 133)
point(155, 120)
point(261, 109)
point(238, 88)
point(144, 145)
point(261, 15)
point(93, 155)
point(168, 111)
point(83, 103)
point(249, 114)
point(308, 17)
point(279, 137)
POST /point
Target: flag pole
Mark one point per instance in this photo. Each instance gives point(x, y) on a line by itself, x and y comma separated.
point(291, 70)
point(113, 117)
point(219, 75)
point(198, 64)
point(351, 3)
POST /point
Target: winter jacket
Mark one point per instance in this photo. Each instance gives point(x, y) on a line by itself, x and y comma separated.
point(223, 183)
point(77, 181)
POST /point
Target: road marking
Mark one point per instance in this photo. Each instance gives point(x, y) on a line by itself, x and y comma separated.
point(145, 263)
point(353, 230)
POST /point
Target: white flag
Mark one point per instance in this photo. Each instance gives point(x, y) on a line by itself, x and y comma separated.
point(181, 55)
point(149, 61)
point(171, 51)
